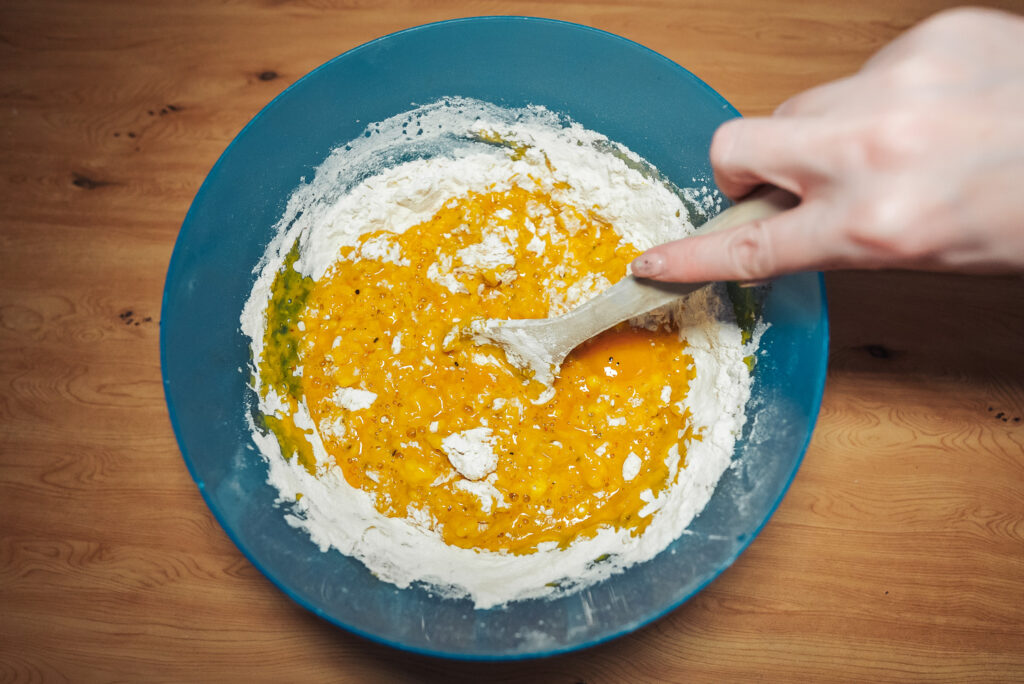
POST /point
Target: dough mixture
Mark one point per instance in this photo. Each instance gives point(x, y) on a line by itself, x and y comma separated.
point(395, 437)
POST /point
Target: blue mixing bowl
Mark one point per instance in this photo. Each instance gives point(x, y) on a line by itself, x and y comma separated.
point(606, 83)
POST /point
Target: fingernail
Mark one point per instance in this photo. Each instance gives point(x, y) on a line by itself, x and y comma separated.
point(754, 283)
point(647, 265)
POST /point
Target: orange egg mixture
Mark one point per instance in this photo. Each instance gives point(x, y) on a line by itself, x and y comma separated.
point(386, 319)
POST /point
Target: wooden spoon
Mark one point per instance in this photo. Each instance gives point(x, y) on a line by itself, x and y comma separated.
point(541, 344)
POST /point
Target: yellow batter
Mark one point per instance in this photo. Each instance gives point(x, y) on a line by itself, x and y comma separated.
point(376, 322)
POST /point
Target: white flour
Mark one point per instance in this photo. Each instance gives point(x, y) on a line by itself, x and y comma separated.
point(471, 453)
point(353, 399)
point(393, 179)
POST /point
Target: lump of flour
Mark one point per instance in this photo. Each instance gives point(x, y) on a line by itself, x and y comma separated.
point(471, 453)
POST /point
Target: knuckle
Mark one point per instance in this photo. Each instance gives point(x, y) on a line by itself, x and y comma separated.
point(915, 69)
point(953, 19)
point(884, 228)
point(873, 222)
point(886, 141)
point(922, 55)
point(791, 107)
point(936, 27)
point(750, 252)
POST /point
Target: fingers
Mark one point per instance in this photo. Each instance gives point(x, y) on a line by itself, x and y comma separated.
point(785, 243)
point(746, 153)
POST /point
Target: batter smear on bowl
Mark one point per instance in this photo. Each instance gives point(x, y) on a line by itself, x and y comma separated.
point(394, 437)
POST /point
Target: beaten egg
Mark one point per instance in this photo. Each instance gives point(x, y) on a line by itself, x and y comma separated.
point(376, 350)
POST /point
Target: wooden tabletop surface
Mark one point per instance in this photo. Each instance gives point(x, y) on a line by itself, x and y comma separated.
point(898, 553)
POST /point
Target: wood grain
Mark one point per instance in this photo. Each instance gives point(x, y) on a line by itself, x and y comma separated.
point(897, 555)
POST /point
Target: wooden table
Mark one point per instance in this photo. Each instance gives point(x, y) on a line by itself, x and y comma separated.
point(898, 554)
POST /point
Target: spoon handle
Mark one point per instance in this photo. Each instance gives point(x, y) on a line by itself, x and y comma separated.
point(633, 296)
point(765, 202)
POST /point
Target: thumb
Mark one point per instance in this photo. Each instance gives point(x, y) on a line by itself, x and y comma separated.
point(758, 250)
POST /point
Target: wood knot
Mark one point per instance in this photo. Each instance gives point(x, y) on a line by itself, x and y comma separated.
point(878, 351)
point(86, 183)
point(268, 75)
point(128, 318)
point(1003, 416)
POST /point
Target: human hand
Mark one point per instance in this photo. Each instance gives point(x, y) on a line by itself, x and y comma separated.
point(916, 161)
